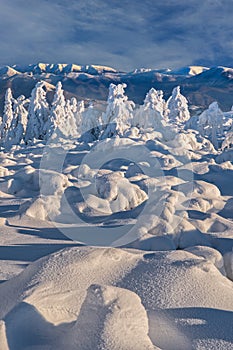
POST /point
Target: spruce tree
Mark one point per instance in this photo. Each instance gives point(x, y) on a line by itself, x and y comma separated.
point(119, 113)
point(152, 112)
point(19, 122)
point(177, 105)
point(58, 113)
point(7, 116)
point(38, 112)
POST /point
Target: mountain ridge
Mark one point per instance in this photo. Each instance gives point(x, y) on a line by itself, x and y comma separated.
point(201, 85)
point(63, 68)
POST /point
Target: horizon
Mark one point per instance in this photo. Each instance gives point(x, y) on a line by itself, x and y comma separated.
point(26, 65)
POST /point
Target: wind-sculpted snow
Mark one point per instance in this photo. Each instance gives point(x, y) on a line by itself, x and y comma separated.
point(116, 234)
point(113, 193)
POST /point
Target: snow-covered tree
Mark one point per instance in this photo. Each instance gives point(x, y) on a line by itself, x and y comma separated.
point(90, 127)
point(56, 122)
point(177, 106)
point(38, 112)
point(77, 108)
point(19, 122)
point(69, 128)
point(151, 113)
point(62, 119)
point(7, 116)
point(154, 100)
point(210, 123)
point(119, 112)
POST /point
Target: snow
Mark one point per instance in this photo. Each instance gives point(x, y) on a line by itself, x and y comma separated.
point(190, 70)
point(152, 112)
point(211, 123)
point(90, 124)
point(178, 107)
point(114, 237)
point(119, 111)
point(114, 303)
point(209, 254)
point(19, 122)
point(38, 112)
point(112, 318)
point(7, 118)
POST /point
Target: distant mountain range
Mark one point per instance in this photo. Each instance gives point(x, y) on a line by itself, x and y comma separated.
point(201, 85)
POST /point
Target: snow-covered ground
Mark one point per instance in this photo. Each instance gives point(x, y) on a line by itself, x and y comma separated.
point(119, 237)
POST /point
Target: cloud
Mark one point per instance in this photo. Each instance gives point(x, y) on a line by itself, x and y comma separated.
point(124, 34)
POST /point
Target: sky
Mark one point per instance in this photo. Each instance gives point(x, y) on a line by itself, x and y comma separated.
point(124, 34)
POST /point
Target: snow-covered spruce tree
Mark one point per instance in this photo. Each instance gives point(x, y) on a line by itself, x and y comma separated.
point(77, 108)
point(177, 106)
point(38, 112)
point(63, 113)
point(90, 127)
point(151, 113)
point(56, 122)
point(7, 116)
point(154, 100)
point(19, 122)
point(210, 123)
point(119, 113)
point(69, 128)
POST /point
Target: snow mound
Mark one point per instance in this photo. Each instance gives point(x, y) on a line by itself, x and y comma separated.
point(122, 194)
point(30, 181)
point(199, 188)
point(228, 263)
point(113, 193)
point(61, 294)
point(42, 208)
point(112, 318)
point(209, 254)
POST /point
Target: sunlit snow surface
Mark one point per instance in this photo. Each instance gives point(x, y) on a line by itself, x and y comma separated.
point(119, 244)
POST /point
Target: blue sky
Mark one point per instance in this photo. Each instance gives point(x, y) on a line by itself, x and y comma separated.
point(124, 34)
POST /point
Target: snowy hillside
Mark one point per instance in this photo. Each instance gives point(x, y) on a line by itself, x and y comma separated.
point(116, 219)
